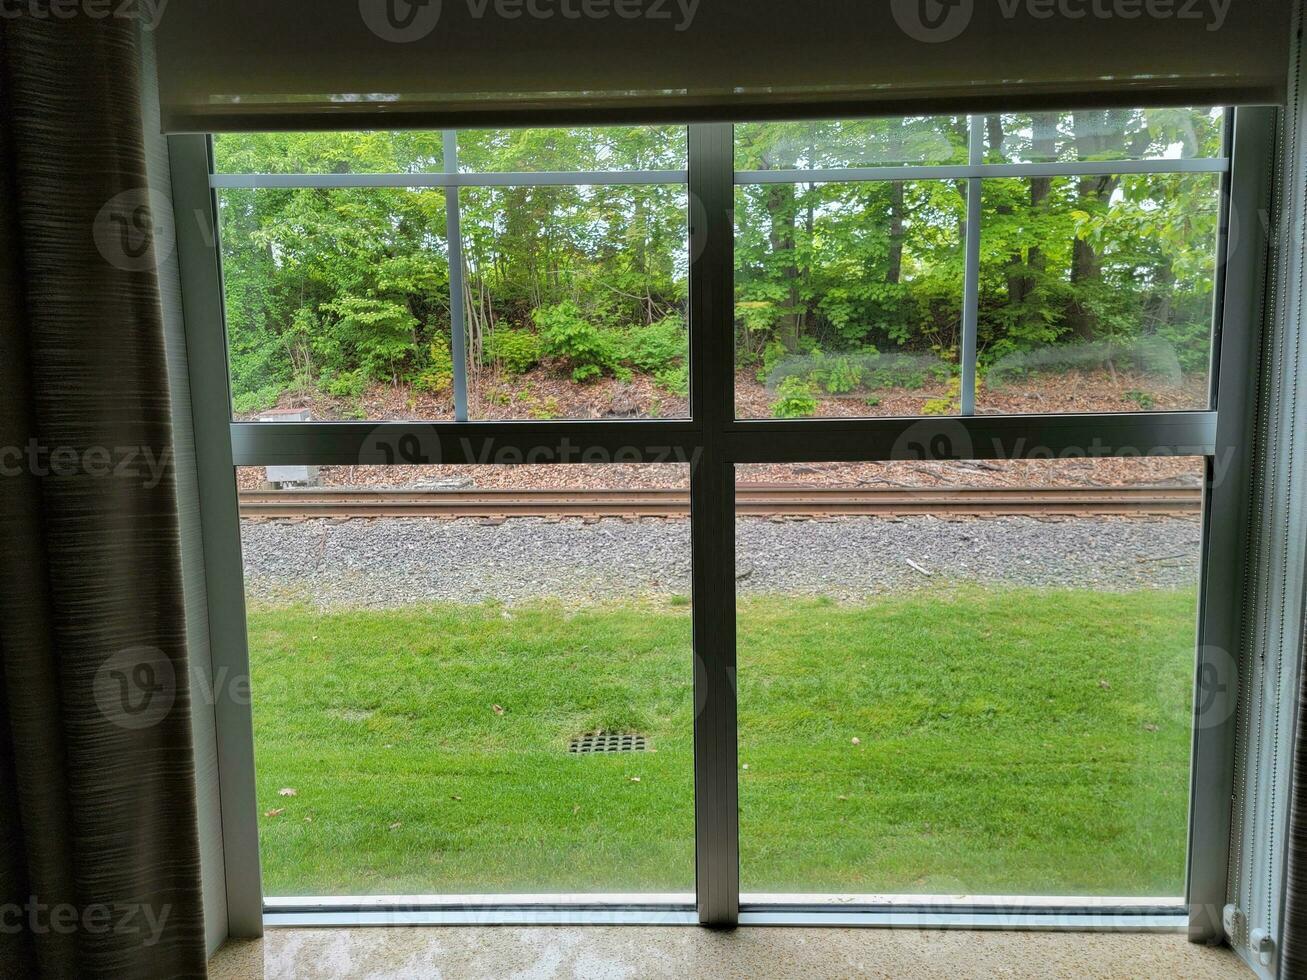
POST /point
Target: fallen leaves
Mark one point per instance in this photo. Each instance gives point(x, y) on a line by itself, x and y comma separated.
point(288, 791)
point(275, 811)
point(855, 740)
point(496, 709)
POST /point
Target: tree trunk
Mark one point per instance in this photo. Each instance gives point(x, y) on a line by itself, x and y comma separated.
point(1096, 134)
point(780, 202)
point(894, 268)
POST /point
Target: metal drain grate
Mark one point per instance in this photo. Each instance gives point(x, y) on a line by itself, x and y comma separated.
point(607, 742)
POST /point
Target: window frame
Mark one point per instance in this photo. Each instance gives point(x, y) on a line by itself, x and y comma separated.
point(714, 441)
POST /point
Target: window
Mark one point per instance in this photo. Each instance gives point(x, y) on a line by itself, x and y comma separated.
point(422, 684)
point(728, 524)
point(997, 264)
point(570, 251)
point(994, 703)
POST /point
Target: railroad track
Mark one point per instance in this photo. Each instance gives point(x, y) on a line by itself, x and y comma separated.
point(752, 500)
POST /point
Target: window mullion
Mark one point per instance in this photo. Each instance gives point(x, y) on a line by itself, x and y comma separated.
point(712, 527)
point(454, 236)
point(971, 274)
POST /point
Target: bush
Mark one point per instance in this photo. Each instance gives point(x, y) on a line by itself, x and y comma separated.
point(346, 384)
point(567, 335)
point(1143, 399)
point(260, 400)
point(514, 351)
point(675, 380)
point(438, 376)
point(798, 399)
point(656, 347)
point(844, 375)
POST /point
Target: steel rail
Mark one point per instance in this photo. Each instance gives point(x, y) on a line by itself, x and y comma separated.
point(751, 500)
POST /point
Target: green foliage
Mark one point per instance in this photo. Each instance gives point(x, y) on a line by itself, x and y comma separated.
point(324, 287)
point(844, 375)
point(675, 380)
point(948, 404)
point(797, 399)
point(346, 384)
point(438, 376)
point(569, 336)
point(379, 332)
point(657, 346)
point(1143, 399)
point(258, 400)
point(514, 351)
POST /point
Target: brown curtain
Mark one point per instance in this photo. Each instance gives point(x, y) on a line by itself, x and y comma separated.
point(99, 862)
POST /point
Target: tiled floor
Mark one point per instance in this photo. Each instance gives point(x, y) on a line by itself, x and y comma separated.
point(688, 953)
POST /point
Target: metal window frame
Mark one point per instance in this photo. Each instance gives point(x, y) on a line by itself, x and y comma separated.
point(713, 442)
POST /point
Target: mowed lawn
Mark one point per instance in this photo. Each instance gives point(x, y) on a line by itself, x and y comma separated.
point(1007, 741)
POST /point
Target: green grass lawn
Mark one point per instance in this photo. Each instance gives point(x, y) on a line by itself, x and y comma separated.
point(1009, 741)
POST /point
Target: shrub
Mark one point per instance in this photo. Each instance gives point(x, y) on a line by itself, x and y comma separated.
point(346, 384)
point(378, 331)
point(656, 347)
point(260, 400)
point(438, 376)
point(772, 355)
point(844, 375)
point(798, 399)
point(1143, 399)
point(948, 404)
point(514, 351)
point(675, 380)
point(569, 336)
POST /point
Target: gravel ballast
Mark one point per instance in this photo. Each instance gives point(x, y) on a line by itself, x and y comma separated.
point(396, 562)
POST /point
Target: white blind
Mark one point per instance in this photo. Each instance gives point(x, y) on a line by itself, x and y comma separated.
point(317, 64)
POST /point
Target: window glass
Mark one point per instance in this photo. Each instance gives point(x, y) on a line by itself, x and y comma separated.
point(1103, 134)
point(822, 144)
point(337, 303)
point(576, 301)
point(1096, 293)
point(407, 152)
point(848, 298)
point(461, 702)
point(569, 150)
point(962, 701)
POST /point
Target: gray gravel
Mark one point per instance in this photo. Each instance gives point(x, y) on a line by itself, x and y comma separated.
point(396, 562)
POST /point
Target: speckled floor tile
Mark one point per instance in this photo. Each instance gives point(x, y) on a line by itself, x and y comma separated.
point(619, 953)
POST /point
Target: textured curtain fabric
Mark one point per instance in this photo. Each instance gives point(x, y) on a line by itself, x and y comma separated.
point(99, 862)
point(1282, 916)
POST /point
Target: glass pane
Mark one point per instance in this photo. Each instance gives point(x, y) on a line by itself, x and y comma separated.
point(576, 301)
point(848, 298)
point(1096, 293)
point(1104, 134)
point(951, 703)
point(337, 303)
point(419, 682)
point(885, 142)
point(408, 152)
point(570, 150)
